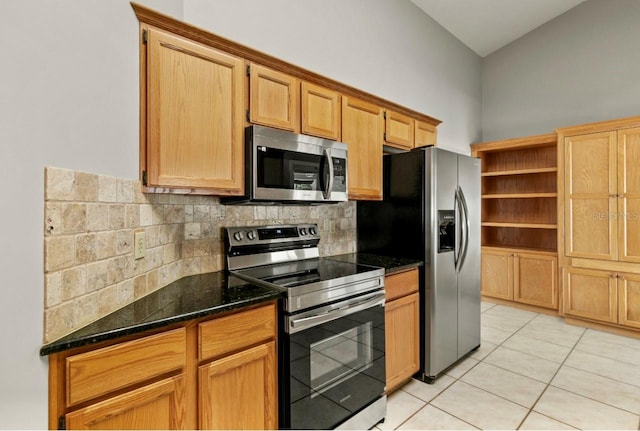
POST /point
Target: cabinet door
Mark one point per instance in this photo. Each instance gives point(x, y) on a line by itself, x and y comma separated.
point(629, 300)
point(590, 196)
point(362, 131)
point(195, 116)
point(239, 391)
point(399, 130)
point(320, 111)
point(274, 98)
point(157, 406)
point(425, 134)
point(590, 294)
point(402, 344)
point(535, 280)
point(629, 195)
point(497, 274)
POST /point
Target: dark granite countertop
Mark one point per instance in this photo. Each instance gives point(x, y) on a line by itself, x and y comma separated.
point(185, 299)
point(194, 297)
point(390, 264)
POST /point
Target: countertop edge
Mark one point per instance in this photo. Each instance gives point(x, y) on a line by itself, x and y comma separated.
point(62, 344)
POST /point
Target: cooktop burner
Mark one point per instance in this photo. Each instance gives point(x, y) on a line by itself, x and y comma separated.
point(286, 257)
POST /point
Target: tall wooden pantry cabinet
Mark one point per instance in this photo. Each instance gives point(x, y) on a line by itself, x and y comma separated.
point(600, 219)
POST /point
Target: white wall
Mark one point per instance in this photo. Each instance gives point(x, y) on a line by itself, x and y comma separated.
point(387, 48)
point(68, 98)
point(584, 66)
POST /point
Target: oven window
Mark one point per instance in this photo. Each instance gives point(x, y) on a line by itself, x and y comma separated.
point(333, 370)
point(337, 358)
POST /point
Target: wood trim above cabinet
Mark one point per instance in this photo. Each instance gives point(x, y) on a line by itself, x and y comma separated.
point(600, 126)
point(152, 17)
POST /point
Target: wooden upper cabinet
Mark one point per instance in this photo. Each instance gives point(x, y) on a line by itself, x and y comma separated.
point(425, 134)
point(629, 195)
point(399, 130)
point(591, 196)
point(194, 106)
point(320, 111)
point(362, 131)
point(274, 98)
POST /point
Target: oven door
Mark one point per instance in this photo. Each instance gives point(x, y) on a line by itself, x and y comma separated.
point(333, 362)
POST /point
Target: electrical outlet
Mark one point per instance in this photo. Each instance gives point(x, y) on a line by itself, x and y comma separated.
point(139, 245)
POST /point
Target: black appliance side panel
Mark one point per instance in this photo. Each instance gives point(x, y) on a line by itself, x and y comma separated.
point(394, 225)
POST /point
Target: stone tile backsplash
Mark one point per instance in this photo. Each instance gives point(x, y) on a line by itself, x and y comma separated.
point(90, 221)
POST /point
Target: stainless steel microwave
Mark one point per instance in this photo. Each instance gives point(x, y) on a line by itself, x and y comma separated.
point(285, 167)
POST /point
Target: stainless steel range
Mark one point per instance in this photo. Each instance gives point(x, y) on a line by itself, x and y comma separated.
point(331, 349)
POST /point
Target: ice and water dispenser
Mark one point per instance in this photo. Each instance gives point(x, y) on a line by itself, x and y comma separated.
point(446, 231)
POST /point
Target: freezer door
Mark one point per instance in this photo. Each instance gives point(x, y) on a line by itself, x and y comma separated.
point(441, 302)
point(469, 269)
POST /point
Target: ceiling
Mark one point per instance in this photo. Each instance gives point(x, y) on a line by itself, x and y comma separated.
point(487, 25)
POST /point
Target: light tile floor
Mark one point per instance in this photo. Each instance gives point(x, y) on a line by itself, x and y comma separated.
point(532, 371)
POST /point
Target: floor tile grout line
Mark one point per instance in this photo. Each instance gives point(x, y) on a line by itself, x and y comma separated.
point(593, 399)
point(607, 357)
point(600, 375)
point(549, 384)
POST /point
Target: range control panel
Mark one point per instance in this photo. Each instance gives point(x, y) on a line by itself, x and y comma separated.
point(261, 235)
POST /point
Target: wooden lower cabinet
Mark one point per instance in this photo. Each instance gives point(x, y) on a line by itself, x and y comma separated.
point(497, 274)
point(402, 327)
point(156, 406)
point(591, 294)
point(629, 300)
point(603, 296)
point(528, 277)
point(239, 391)
point(180, 378)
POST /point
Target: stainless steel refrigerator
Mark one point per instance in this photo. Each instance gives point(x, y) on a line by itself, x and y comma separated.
point(431, 212)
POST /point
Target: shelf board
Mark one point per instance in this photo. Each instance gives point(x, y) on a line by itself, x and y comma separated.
point(519, 172)
point(519, 195)
point(519, 248)
point(521, 225)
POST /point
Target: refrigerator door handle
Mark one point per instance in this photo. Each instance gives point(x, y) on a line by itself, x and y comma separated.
point(466, 228)
point(457, 254)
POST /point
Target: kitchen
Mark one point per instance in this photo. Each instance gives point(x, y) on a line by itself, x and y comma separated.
point(87, 111)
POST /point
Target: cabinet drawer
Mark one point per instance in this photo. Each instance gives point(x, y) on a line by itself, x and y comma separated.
point(227, 334)
point(99, 372)
point(401, 284)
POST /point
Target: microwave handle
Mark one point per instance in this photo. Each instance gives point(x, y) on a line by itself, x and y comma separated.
point(328, 187)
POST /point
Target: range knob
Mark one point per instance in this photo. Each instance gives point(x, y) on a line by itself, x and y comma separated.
point(303, 231)
point(251, 235)
point(237, 236)
point(312, 231)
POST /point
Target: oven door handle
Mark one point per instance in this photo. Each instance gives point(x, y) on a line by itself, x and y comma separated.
point(351, 307)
